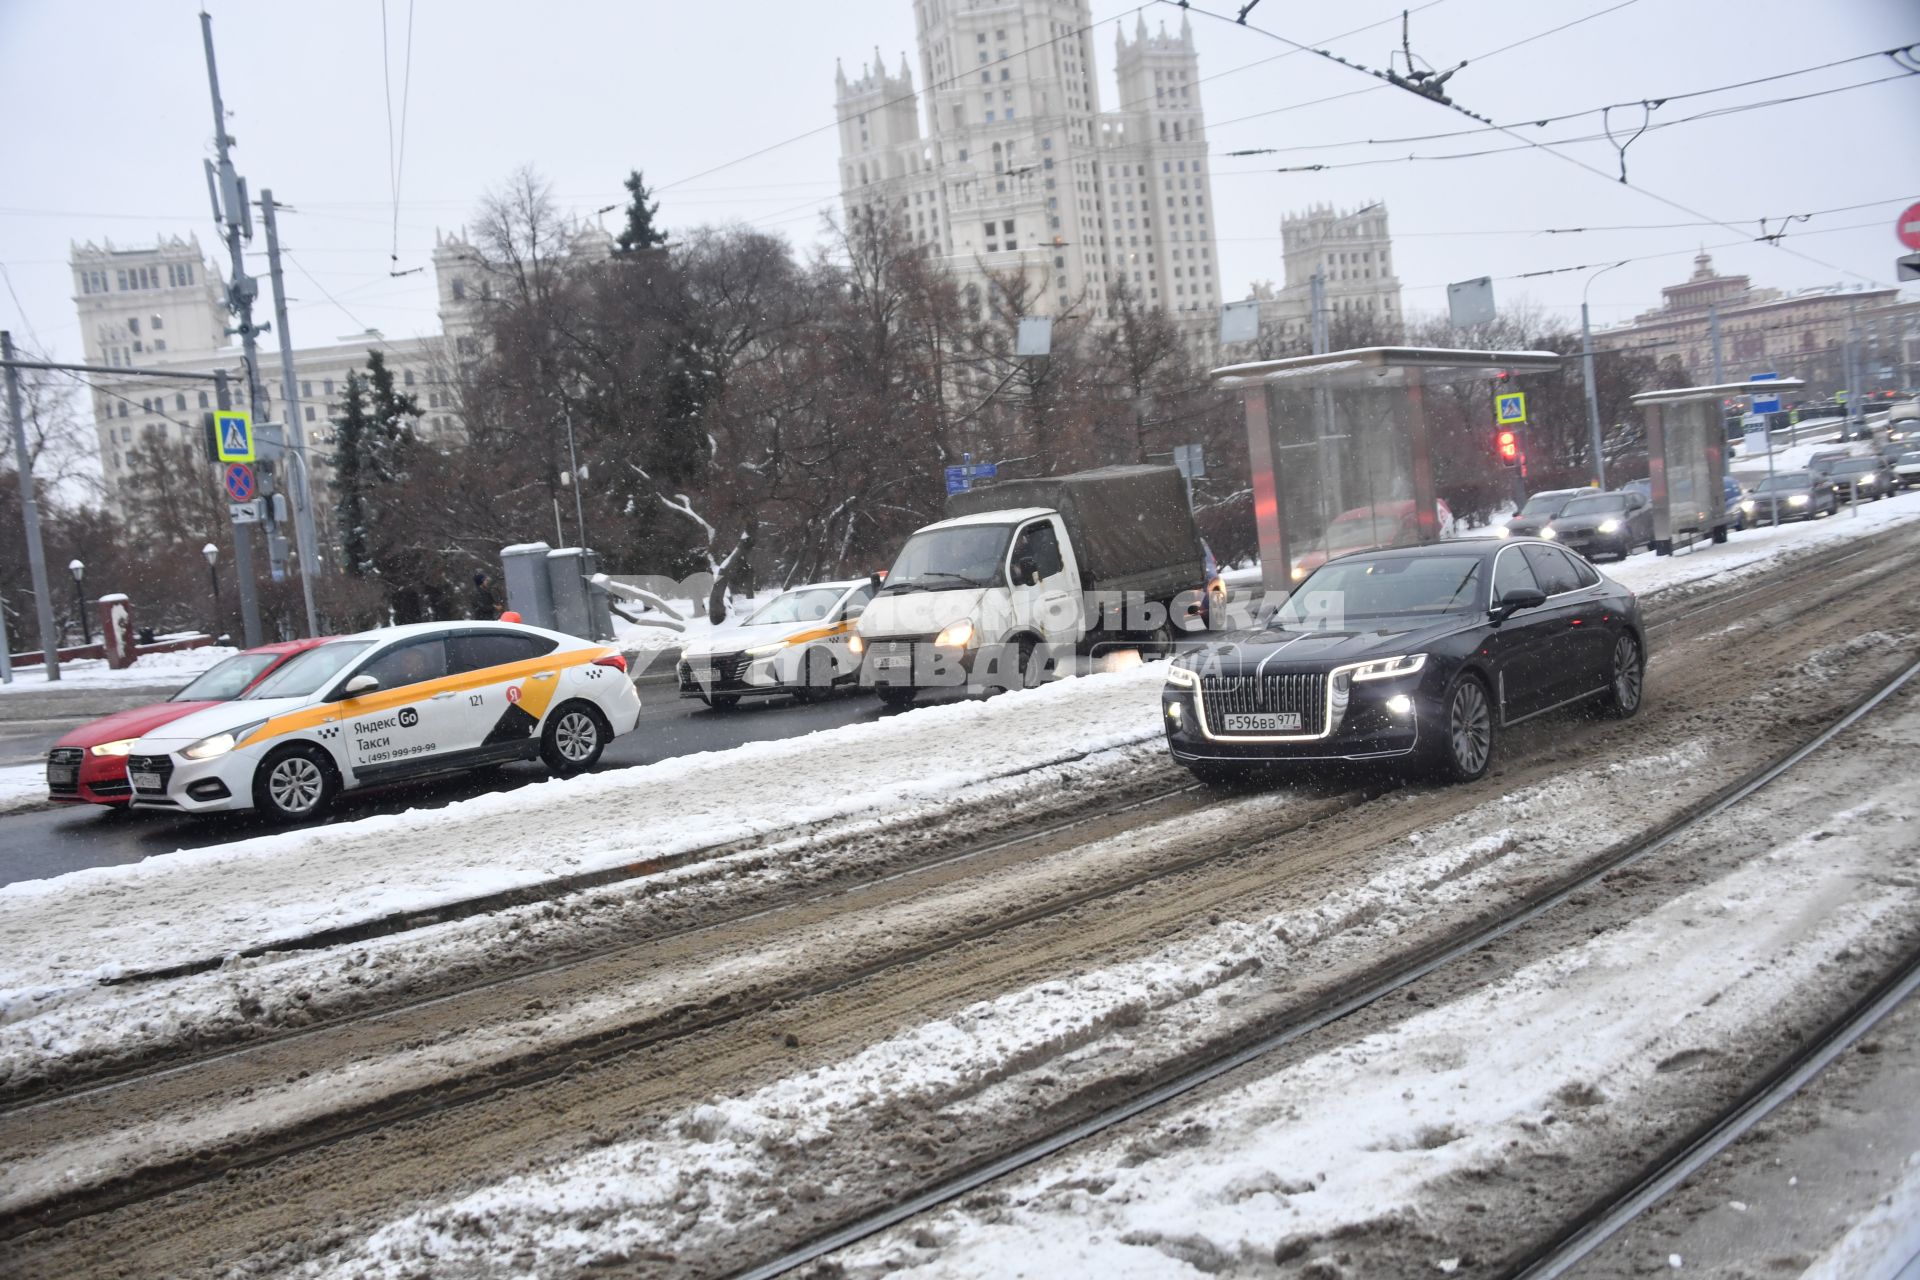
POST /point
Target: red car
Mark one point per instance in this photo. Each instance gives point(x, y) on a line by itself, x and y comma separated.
point(90, 764)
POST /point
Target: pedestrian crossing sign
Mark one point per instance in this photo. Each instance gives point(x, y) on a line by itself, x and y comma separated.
point(1510, 407)
point(233, 436)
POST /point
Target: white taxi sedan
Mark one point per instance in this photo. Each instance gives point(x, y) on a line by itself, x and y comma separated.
point(386, 705)
point(795, 643)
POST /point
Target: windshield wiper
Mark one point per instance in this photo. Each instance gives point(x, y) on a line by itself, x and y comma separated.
point(922, 583)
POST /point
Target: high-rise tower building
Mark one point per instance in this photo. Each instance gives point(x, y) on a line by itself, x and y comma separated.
point(1018, 168)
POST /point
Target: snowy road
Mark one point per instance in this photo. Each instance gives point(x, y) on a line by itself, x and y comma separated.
point(796, 1101)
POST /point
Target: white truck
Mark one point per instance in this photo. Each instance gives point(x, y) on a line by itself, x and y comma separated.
point(1026, 575)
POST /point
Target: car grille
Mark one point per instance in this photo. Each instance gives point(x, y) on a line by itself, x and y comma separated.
point(1302, 692)
point(161, 765)
point(719, 669)
point(64, 758)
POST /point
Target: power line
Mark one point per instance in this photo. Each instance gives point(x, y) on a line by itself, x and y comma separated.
point(1591, 111)
point(1578, 163)
point(396, 160)
point(1625, 226)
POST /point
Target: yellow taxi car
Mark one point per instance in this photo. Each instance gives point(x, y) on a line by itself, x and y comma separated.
point(386, 705)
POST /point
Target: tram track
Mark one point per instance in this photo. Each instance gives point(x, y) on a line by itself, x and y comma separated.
point(552, 1059)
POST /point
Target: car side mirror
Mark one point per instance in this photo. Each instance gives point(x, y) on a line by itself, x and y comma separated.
point(1516, 600)
point(360, 684)
point(854, 611)
point(1026, 572)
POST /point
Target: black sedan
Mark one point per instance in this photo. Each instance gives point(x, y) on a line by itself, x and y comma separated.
point(1542, 507)
point(1420, 654)
point(1867, 477)
point(1613, 523)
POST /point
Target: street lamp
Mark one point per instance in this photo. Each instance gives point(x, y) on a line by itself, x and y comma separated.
point(212, 553)
point(79, 571)
point(1593, 396)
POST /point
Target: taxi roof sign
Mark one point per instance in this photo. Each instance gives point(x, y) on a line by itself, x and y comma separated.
point(233, 436)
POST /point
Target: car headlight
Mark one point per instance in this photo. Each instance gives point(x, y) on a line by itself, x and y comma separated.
point(1609, 526)
point(1797, 500)
point(1746, 505)
point(1185, 677)
point(1503, 532)
point(1404, 664)
point(1298, 573)
point(1548, 533)
point(955, 635)
point(220, 743)
point(119, 748)
point(856, 644)
point(765, 650)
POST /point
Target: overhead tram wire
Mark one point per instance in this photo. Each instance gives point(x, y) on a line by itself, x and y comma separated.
point(1594, 111)
point(1561, 156)
point(396, 159)
point(1655, 127)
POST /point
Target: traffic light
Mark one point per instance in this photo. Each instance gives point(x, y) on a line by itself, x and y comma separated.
point(1507, 445)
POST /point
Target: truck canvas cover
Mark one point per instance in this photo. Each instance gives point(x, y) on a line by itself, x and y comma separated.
point(1130, 525)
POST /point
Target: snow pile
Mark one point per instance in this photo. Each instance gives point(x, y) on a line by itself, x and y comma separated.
point(23, 787)
point(275, 888)
point(172, 669)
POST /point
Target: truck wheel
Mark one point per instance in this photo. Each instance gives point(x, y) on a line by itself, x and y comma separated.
point(1029, 669)
point(573, 739)
point(896, 695)
point(295, 783)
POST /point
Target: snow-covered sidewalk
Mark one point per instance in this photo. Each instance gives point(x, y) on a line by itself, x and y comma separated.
point(172, 669)
point(23, 787)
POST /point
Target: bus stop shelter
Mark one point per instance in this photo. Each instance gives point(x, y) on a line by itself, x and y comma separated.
point(1687, 457)
point(1351, 449)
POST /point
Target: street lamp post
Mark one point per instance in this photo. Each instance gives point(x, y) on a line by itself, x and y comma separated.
point(212, 553)
point(79, 571)
point(1593, 395)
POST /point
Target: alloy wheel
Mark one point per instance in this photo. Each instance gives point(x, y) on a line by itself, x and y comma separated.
point(1627, 675)
point(295, 784)
point(1470, 725)
point(576, 736)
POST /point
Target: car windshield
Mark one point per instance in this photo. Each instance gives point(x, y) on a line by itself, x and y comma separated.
point(226, 679)
point(1790, 480)
point(1855, 467)
point(808, 604)
point(1594, 504)
point(304, 675)
point(1544, 504)
point(1381, 586)
point(968, 555)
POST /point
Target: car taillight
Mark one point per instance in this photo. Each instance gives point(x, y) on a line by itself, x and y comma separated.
point(613, 660)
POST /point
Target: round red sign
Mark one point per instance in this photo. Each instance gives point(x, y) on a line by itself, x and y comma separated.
point(513, 693)
point(1908, 227)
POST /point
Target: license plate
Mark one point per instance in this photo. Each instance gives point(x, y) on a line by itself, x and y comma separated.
point(1263, 722)
point(61, 775)
point(144, 781)
point(892, 663)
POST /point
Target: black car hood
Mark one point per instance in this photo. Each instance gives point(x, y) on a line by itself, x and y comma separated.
point(1318, 650)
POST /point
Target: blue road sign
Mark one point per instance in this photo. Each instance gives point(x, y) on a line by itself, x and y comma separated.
point(239, 482)
point(1765, 403)
point(1510, 407)
point(961, 478)
point(233, 436)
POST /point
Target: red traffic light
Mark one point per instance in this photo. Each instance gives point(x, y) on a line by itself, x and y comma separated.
point(1507, 445)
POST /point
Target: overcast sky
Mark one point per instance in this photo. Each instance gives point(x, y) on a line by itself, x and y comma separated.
point(107, 119)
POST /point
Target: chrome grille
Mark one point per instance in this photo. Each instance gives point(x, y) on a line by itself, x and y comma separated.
point(159, 765)
point(1303, 692)
point(63, 770)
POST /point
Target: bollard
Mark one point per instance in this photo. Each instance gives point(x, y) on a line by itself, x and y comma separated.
point(116, 631)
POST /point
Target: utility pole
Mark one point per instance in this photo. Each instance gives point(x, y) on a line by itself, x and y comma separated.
point(1713, 334)
point(1854, 396)
point(228, 191)
point(242, 543)
point(1323, 420)
point(1593, 401)
point(30, 515)
point(296, 436)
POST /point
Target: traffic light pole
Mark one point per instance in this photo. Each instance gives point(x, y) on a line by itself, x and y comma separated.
point(242, 543)
point(30, 516)
point(296, 439)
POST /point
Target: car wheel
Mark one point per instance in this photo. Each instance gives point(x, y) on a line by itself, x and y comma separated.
point(896, 695)
point(1627, 679)
point(816, 676)
point(1464, 751)
point(295, 783)
point(573, 739)
point(1029, 669)
point(720, 701)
